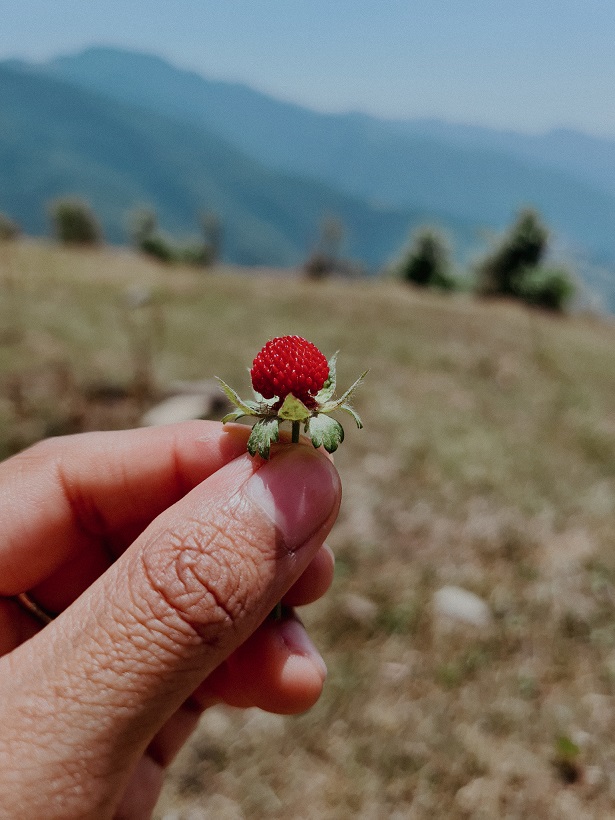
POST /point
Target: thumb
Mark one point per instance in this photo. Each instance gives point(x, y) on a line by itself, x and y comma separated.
point(98, 683)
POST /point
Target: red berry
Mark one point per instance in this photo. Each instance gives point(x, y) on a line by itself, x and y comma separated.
point(289, 364)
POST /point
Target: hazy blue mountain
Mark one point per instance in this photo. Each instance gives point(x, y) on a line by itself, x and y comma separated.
point(480, 175)
point(589, 158)
point(272, 168)
point(58, 139)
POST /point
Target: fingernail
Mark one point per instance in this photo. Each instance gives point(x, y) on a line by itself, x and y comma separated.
point(298, 642)
point(298, 490)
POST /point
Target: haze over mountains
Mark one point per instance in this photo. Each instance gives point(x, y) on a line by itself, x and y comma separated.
point(126, 129)
point(57, 139)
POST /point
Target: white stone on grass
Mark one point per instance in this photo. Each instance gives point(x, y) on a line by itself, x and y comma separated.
point(177, 408)
point(188, 400)
point(359, 609)
point(461, 605)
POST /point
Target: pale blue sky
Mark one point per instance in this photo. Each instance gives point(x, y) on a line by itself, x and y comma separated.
point(528, 65)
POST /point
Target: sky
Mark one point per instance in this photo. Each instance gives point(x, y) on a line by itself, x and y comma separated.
point(529, 65)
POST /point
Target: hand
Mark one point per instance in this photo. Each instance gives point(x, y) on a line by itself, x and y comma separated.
point(162, 550)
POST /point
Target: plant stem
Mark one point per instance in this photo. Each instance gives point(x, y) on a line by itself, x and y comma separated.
point(276, 613)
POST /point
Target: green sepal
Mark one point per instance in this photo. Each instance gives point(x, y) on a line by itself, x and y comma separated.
point(343, 399)
point(264, 405)
point(249, 408)
point(325, 432)
point(293, 409)
point(233, 416)
point(327, 391)
point(264, 432)
point(345, 396)
point(349, 409)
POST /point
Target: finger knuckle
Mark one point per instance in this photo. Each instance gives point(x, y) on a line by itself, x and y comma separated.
point(197, 581)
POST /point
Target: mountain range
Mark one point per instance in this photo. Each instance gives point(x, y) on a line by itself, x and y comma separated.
point(58, 139)
point(123, 129)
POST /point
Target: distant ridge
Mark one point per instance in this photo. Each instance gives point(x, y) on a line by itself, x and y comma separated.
point(57, 138)
point(480, 175)
point(589, 159)
point(129, 128)
point(475, 176)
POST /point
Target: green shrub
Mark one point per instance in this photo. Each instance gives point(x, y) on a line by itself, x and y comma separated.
point(522, 248)
point(157, 247)
point(548, 288)
point(427, 261)
point(515, 268)
point(74, 222)
point(318, 266)
point(196, 254)
point(142, 223)
point(9, 229)
point(144, 233)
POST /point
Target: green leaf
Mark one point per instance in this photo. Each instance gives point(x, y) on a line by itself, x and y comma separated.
point(327, 392)
point(248, 407)
point(264, 432)
point(325, 432)
point(293, 409)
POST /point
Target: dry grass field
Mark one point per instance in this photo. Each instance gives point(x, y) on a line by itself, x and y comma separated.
point(487, 462)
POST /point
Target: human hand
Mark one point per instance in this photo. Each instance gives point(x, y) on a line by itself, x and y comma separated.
point(163, 550)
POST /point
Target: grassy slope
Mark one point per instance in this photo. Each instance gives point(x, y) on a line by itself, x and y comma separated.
point(488, 461)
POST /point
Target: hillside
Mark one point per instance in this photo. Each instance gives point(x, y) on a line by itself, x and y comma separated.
point(478, 175)
point(590, 159)
point(57, 139)
point(487, 462)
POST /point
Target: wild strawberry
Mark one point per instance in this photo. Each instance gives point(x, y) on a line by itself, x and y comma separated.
point(292, 381)
point(289, 364)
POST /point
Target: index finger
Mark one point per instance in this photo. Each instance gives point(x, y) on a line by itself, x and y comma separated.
point(68, 494)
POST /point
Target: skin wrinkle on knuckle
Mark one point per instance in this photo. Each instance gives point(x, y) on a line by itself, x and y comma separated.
point(120, 666)
point(153, 640)
point(176, 596)
point(149, 622)
point(206, 572)
point(237, 559)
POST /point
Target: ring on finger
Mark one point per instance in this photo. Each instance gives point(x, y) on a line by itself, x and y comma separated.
point(32, 607)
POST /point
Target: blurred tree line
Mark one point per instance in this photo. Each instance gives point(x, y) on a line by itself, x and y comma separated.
point(74, 223)
point(515, 267)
